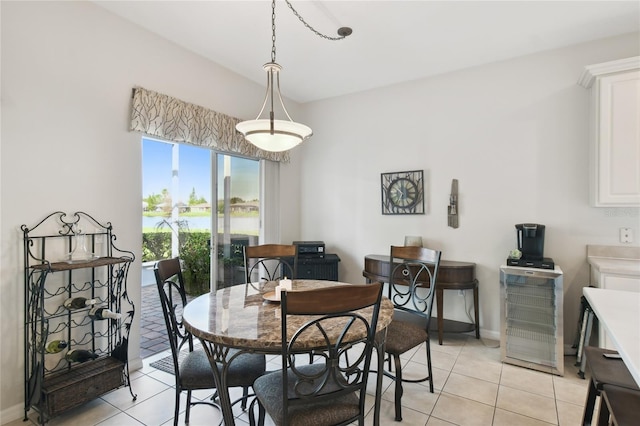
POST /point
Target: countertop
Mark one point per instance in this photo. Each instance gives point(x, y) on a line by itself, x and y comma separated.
point(606, 265)
point(615, 260)
point(619, 313)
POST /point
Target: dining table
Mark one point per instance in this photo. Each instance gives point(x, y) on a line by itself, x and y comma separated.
point(247, 319)
point(618, 312)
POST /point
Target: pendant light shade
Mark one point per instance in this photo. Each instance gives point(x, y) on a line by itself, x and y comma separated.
point(285, 135)
point(267, 133)
point(270, 134)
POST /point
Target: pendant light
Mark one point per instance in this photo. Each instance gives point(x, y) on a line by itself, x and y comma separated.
point(270, 134)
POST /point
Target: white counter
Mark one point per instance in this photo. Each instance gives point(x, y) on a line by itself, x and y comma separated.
point(618, 312)
point(607, 265)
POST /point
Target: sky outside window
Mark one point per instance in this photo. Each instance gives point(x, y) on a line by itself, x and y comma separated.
point(194, 172)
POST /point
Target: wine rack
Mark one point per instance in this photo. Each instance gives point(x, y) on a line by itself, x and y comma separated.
point(73, 256)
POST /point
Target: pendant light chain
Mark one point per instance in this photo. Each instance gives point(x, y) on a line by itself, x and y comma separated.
point(273, 31)
point(343, 32)
point(269, 133)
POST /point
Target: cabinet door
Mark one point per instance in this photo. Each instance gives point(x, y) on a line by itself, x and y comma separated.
point(617, 168)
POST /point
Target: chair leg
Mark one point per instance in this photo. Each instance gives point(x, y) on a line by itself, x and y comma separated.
point(398, 392)
point(603, 417)
point(429, 366)
point(176, 411)
point(188, 410)
point(261, 413)
point(589, 405)
point(245, 396)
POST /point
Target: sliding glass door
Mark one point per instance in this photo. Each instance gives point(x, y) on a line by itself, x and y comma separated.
point(199, 205)
point(238, 208)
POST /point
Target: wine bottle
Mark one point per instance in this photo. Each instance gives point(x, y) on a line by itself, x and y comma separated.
point(78, 303)
point(99, 313)
point(55, 346)
point(80, 355)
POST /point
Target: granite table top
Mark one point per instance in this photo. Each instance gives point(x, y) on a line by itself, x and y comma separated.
point(239, 316)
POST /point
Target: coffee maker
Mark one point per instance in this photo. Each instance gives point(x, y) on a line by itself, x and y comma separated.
point(531, 245)
point(530, 240)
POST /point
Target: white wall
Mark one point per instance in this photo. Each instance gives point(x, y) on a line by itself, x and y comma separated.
point(67, 73)
point(515, 135)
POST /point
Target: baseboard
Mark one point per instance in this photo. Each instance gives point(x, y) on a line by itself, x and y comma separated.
point(489, 334)
point(135, 364)
point(12, 414)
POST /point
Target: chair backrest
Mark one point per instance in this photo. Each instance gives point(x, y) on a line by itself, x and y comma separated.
point(173, 298)
point(412, 281)
point(270, 262)
point(341, 319)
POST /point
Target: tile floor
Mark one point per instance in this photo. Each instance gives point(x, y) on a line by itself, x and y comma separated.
point(472, 387)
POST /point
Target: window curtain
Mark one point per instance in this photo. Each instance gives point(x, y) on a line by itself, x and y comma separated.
point(178, 121)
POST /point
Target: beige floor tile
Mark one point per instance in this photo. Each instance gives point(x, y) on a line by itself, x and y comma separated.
point(527, 380)
point(471, 388)
point(572, 391)
point(569, 414)
point(416, 396)
point(528, 404)
point(462, 411)
point(483, 348)
point(387, 416)
point(479, 368)
point(144, 388)
point(441, 360)
point(121, 419)
point(507, 418)
point(201, 415)
point(90, 413)
point(414, 371)
point(434, 421)
point(156, 410)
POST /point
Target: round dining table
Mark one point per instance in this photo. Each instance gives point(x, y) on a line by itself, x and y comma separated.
point(246, 318)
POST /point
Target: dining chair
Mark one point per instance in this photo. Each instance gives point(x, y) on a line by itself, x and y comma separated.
point(192, 369)
point(270, 262)
point(605, 368)
point(412, 288)
point(332, 389)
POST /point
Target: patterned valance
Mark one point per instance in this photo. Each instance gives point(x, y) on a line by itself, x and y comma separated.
point(172, 119)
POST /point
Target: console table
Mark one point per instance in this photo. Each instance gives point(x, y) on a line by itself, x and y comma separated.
point(452, 275)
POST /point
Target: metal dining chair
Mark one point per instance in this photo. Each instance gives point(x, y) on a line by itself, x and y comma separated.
point(412, 288)
point(332, 389)
point(270, 262)
point(192, 369)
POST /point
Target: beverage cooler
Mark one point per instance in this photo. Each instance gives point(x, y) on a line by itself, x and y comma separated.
point(531, 318)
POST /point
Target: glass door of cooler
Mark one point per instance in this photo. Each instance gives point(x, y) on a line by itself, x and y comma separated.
point(531, 315)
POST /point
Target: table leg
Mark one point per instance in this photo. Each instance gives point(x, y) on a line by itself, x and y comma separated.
point(439, 302)
point(217, 354)
point(476, 309)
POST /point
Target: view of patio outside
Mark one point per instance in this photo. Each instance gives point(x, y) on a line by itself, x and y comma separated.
point(178, 212)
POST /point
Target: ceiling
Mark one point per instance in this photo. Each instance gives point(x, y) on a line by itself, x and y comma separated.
point(392, 41)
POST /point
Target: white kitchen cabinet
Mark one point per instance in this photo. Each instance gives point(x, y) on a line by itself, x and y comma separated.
point(614, 132)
